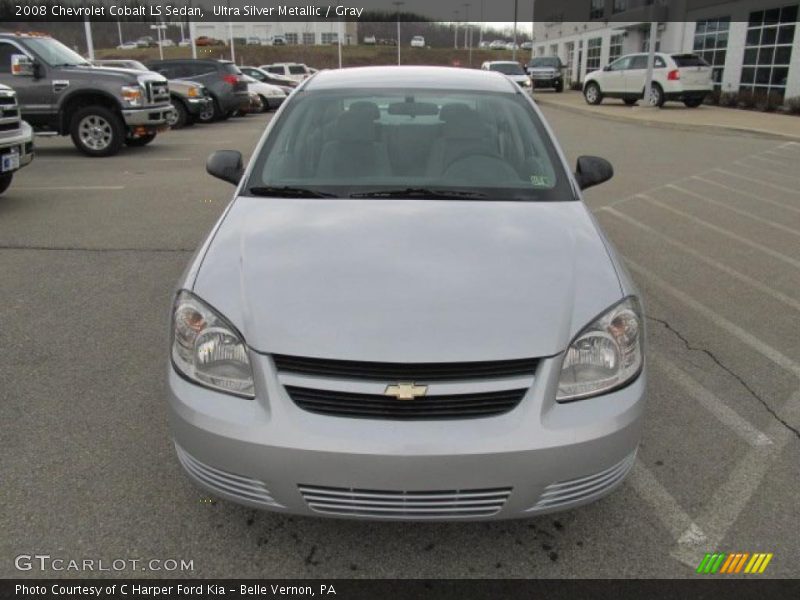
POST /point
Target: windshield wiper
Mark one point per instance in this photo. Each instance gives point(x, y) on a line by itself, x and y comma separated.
point(426, 193)
point(288, 192)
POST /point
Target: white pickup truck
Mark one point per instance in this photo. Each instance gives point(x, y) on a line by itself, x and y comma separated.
point(16, 138)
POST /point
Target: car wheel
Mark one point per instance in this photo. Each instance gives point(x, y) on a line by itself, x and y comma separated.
point(264, 104)
point(630, 101)
point(559, 87)
point(97, 131)
point(693, 102)
point(656, 96)
point(208, 113)
point(592, 93)
point(5, 181)
point(140, 141)
point(179, 116)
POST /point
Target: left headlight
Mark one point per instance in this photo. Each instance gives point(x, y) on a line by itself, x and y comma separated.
point(133, 95)
point(605, 355)
point(207, 349)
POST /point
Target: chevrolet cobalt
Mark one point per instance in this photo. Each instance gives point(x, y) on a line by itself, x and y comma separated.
point(407, 311)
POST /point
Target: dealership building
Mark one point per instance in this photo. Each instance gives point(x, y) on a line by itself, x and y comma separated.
point(752, 45)
point(307, 33)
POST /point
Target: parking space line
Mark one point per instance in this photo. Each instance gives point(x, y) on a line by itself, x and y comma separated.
point(779, 154)
point(768, 160)
point(138, 159)
point(68, 188)
point(762, 287)
point(738, 211)
point(665, 507)
point(730, 499)
point(724, 413)
point(748, 195)
point(767, 351)
point(724, 232)
point(761, 181)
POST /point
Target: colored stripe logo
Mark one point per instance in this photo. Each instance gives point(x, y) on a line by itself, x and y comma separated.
point(734, 562)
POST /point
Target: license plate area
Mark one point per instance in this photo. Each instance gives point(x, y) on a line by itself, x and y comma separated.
point(9, 161)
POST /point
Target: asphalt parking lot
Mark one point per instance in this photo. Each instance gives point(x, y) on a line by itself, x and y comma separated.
point(90, 250)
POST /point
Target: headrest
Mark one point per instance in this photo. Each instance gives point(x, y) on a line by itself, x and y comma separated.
point(355, 126)
point(370, 109)
point(461, 122)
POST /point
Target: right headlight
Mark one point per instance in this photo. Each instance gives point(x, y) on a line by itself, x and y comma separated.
point(605, 355)
point(207, 349)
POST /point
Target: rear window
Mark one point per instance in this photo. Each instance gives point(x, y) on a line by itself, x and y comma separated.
point(507, 68)
point(297, 70)
point(488, 145)
point(689, 60)
point(230, 69)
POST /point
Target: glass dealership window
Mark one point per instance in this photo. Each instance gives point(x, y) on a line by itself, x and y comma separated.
point(291, 38)
point(330, 38)
point(619, 6)
point(593, 47)
point(711, 43)
point(768, 51)
point(615, 47)
point(308, 39)
point(596, 9)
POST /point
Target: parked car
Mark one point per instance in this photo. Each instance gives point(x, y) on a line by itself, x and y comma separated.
point(547, 72)
point(184, 43)
point(204, 40)
point(190, 99)
point(271, 96)
point(417, 41)
point(370, 40)
point(128, 46)
point(295, 71)
point(254, 41)
point(61, 93)
point(16, 138)
point(512, 46)
point(526, 45)
point(306, 375)
point(677, 77)
point(283, 82)
point(278, 40)
point(167, 43)
point(146, 41)
point(512, 69)
point(222, 79)
point(497, 45)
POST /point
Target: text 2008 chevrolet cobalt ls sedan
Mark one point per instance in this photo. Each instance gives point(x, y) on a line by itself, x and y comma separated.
point(407, 311)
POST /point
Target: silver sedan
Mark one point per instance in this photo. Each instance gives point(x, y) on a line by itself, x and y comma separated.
point(407, 311)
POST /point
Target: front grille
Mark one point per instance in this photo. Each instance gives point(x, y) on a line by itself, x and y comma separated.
point(375, 406)
point(583, 489)
point(157, 92)
point(12, 126)
point(240, 487)
point(10, 120)
point(403, 504)
point(418, 372)
point(7, 99)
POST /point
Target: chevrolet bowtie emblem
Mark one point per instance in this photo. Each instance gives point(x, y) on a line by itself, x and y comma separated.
point(406, 391)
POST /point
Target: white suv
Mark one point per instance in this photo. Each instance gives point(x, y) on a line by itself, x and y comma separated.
point(685, 77)
point(295, 71)
point(418, 41)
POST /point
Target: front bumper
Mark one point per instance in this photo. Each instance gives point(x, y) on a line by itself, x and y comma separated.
point(149, 116)
point(21, 143)
point(539, 457)
point(197, 106)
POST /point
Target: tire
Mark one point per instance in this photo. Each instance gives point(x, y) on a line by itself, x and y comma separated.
point(181, 115)
point(656, 96)
point(630, 101)
point(140, 141)
point(219, 114)
point(207, 115)
point(592, 93)
point(97, 131)
point(5, 181)
point(693, 102)
point(264, 103)
point(559, 87)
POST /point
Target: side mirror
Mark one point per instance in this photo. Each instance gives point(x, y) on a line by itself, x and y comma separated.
point(21, 65)
point(226, 165)
point(592, 170)
point(607, 68)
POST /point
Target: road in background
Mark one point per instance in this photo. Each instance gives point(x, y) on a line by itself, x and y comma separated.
point(90, 250)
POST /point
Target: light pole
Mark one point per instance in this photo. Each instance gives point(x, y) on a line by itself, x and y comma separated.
point(159, 29)
point(480, 32)
point(89, 43)
point(466, 23)
point(398, 4)
point(119, 31)
point(514, 39)
point(455, 28)
point(651, 50)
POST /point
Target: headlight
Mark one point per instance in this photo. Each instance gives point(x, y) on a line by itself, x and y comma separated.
point(526, 83)
point(207, 349)
point(132, 95)
point(192, 93)
point(605, 355)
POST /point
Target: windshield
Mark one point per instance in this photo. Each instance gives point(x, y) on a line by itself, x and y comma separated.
point(507, 68)
point(549, 61)
point(418, 143)
point(54, 53)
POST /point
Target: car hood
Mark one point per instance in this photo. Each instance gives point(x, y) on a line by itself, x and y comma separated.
point(407, 280)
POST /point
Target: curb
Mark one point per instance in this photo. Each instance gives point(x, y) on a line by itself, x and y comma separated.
point(706, 127)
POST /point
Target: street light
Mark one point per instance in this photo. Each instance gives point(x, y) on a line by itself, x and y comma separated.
point(159, 29)
point(514, 41)
point(398, 4)
point(466, 23)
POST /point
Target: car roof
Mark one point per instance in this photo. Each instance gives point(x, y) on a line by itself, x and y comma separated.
point(411, 76)
point(502, 62)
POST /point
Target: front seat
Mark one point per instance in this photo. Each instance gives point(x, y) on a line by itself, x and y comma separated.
point(463, 133)
point(354, 150)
